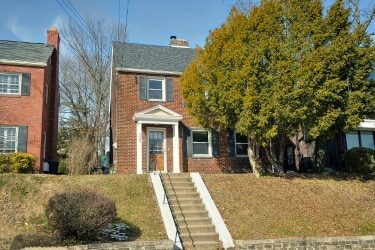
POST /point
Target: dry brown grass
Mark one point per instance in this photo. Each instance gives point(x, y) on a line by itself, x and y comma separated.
point(268, 207)
point(23, 199)
point(272, 207)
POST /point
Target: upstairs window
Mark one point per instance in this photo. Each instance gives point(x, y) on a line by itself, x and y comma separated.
point(14, 83)
point(8, 139)
point(156, 89)
point(10, 83)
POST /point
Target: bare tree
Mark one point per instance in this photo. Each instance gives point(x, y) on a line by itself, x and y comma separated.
point(84, 83)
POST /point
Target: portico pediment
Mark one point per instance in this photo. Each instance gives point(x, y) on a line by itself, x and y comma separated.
point(157, 115)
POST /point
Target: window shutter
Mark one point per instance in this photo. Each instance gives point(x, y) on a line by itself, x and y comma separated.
point(215, 143)
point(25, 85)
point(22, 139)
point(188, 151)
point(142, 88)
point(169, 84)
point(231, 144)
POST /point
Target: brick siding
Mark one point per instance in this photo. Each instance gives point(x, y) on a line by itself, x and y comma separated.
point(125, 103)
point(33, 111)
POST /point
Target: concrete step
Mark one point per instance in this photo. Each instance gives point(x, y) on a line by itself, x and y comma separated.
point(198, 229)
point(187, 208)
point(200, 237)
point(181, 190)
point(184, 196)
point(191, 214)
point(193, 222)
point(204, 245)
point(184, 202)
point(176, 178)
point(179, 184)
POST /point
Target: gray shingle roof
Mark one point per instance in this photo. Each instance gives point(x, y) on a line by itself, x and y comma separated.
point(151, 58)
point(22, 53)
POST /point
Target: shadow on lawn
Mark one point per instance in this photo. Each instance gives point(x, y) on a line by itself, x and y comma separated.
point(332, 175)
point(125, 231)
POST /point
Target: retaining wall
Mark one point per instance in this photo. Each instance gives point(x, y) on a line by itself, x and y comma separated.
point(349, 242)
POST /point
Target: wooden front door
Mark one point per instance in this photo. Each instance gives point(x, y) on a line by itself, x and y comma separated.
point(156, 150)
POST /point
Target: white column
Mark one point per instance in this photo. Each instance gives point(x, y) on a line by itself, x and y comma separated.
point(139, 148)
point(176, 150)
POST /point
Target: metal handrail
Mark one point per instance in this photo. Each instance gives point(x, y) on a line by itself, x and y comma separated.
point(166, 196)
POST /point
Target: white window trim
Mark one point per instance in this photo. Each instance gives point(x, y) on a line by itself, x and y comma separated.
point(163, 89)
point(19, 82)
point(16, 139)
point(235, 146)
point(209, 142)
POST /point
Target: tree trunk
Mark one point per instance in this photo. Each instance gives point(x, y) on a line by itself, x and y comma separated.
point(255, 161)
point(277, 162)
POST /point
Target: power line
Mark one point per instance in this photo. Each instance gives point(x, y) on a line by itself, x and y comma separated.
point(126, 18)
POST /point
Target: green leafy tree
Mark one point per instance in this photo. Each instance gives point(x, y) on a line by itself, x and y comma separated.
point(283, 67)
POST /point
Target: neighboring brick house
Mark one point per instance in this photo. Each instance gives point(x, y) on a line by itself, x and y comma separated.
point(151, 128)
point(29, 98)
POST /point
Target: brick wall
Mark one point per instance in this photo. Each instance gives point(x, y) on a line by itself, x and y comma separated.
point(125, 103)
point(349, 242)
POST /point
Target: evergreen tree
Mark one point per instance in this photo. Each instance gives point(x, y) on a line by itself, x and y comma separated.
point(283, 67)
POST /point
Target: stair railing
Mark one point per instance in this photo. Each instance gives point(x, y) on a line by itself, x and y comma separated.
point(179, 205)
point(166, 197)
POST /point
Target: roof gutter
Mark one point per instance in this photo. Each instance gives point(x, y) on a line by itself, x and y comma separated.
point(148, 71)
point(23, 63)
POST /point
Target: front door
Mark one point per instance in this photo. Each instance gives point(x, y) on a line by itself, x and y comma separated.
point(156, 152)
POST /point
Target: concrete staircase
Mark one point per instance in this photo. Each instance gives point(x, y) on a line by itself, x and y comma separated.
point(195, 227)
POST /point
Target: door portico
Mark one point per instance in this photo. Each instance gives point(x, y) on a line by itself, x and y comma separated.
point(158, 115)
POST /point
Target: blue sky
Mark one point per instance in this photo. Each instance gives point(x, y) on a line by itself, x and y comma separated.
point(149, 21)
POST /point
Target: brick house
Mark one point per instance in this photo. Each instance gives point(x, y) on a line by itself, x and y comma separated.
point(151, 128)
point(29, 98)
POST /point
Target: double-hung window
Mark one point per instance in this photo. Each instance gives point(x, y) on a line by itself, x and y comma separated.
point(8, 139)
point(156, 89)
point(10, 83)
point(241, 145)
point(15, 83)
point(202, 143)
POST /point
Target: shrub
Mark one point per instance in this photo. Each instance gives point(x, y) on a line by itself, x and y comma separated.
point(17, 163)
point(80, 215)
point(360, 160)
point(22, 162)
point(81, 156)
point(5, 164)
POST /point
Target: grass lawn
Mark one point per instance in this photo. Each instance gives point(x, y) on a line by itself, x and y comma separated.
point(272, 207)
point(23, 198)
point(269, 207)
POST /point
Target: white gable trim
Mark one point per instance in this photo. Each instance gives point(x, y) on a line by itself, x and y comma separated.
point(157, 115)
point(149, 71)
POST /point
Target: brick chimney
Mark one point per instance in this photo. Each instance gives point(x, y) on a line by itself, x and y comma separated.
point(181, 43)
point(53, 37)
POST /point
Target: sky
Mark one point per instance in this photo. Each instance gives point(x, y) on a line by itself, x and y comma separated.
point(148, 21)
